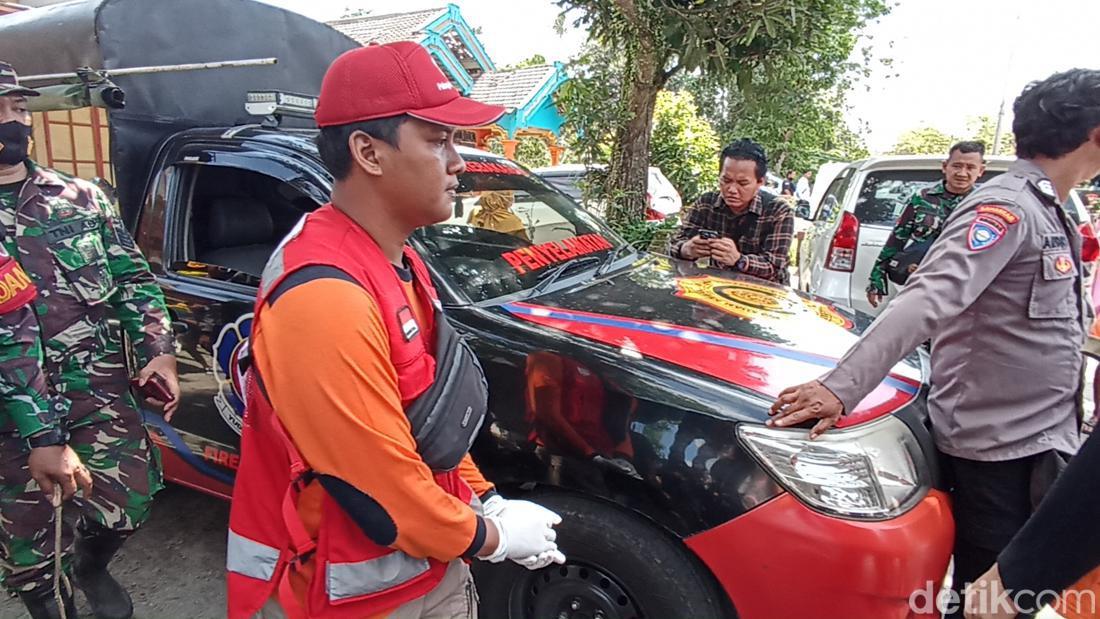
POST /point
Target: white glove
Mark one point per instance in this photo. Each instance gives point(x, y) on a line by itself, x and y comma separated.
point(496, 505)
point(493, 506)
point(525, 531)
point(539, 561)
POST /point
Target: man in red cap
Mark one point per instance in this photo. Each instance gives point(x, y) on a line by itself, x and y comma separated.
point(356, 495)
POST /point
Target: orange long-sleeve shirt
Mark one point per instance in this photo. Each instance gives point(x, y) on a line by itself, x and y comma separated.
point(323, 351)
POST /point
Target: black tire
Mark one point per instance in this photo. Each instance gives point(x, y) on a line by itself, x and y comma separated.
point(619, 567)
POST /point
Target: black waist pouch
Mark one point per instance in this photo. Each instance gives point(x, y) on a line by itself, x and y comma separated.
point(902, 265)
point(446, 418)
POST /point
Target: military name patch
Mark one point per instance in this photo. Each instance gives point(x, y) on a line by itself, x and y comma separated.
point(999, 211)
point(985, 232)
point(1055, 241)
point(62, 230)
point(124, 239)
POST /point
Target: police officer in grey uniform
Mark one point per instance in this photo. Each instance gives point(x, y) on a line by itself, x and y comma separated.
point(1000, 295)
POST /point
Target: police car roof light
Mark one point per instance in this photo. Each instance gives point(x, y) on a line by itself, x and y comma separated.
point(277, 103)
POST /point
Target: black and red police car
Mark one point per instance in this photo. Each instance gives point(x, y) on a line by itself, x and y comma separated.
point(627, 392)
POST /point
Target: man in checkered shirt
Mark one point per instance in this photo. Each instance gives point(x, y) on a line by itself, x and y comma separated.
point(740, 228)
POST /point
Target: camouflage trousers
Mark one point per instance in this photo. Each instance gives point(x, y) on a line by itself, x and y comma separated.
point(125, 467)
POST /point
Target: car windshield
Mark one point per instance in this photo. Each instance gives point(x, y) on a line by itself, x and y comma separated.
point(567, 183)
point(509, 229)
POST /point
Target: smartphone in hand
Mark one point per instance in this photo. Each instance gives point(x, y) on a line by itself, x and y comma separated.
point(706, 262)
point(156, 388)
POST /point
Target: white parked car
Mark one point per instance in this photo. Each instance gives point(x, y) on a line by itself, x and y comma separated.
point(662, 199)
point(855, 213)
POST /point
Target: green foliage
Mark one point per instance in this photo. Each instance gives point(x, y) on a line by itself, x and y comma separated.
point(533, 152)
point(923, 141)
point(589, 102)
point(536, 60)
point(495, 145)
point(739, 45)
point(932, 141)
point(649, 236)
point(684, 145)
point(984, 128)
point(799, 128)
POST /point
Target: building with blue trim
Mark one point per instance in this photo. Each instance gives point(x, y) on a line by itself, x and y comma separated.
point(527, 93)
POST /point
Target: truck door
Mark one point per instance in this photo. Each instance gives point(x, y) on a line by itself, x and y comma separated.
point(214, 216)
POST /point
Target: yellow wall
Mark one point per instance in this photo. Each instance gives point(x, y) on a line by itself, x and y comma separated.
point(76, 142)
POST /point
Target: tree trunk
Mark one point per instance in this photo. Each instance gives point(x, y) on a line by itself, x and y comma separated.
point(629, 172)
point(778, 166)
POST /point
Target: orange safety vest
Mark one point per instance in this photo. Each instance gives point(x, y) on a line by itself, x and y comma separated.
point(354, 577)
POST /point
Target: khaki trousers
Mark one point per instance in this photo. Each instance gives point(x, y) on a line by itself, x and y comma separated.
point(454, 598)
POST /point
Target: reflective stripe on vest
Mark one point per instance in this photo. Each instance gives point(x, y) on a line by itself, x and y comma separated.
point(350, 580)
point(250, 558)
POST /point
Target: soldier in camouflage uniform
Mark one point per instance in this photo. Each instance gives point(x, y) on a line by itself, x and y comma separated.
point(927, 210)
point(68, 418)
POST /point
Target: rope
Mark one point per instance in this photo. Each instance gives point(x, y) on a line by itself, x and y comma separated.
point(59, 576)
point(58, 572)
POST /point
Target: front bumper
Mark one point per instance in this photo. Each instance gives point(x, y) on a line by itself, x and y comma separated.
point(784, 561)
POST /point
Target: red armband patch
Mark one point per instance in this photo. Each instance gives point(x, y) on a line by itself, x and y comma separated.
point(999, 211)
point(16, 289)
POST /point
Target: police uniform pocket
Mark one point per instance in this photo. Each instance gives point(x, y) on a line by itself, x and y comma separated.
point(1052, 290)
point(77, 248)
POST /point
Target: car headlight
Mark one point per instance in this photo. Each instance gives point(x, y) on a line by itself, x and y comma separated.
point(870, 472)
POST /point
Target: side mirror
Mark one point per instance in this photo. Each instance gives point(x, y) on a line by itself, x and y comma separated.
point(802, 210)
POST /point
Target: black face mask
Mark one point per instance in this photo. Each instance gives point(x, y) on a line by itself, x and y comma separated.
point(15, 141)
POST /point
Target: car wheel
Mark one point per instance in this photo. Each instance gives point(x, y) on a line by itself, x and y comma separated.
point(618, 567)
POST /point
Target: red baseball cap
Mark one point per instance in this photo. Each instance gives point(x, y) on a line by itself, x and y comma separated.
point(379, 81)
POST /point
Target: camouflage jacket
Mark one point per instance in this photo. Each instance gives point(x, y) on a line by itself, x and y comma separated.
point(90, 277)
point(923, 219)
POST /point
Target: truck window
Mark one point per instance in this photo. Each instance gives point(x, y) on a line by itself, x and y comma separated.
point(885, 193)
point(233, 221)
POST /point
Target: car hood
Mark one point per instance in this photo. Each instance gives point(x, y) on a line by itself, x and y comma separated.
point(741, 330)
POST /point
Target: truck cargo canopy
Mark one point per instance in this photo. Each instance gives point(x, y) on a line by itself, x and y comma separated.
point(119, 34)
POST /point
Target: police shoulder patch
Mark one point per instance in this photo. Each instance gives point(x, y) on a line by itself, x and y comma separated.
point(985, 232)
point(999, 212)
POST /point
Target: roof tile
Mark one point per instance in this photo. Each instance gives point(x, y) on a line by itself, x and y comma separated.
point(511, 89)
point(387, 28)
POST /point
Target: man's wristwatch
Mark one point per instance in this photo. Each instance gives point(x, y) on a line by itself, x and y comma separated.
point(50, 438)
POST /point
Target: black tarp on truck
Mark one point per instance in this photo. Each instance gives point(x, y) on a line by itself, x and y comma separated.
point(118, 34)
